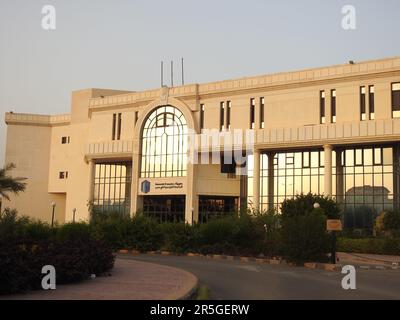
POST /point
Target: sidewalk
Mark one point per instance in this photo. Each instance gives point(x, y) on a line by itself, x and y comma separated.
point(129, 280)
point(369, 260)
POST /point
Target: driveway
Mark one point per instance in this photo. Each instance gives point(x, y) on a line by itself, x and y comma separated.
point(248, 280)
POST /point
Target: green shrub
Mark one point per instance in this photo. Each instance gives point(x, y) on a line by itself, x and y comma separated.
point(76, 260)
point(270, 223)
point(218, 236)
point(21, 262)
point(179, 237)
point(365, 245)
point(391, 246)
point(11, 225)
point(304, 237)
point(74, 230)
point(38, 230)
point(145, 234)
point(113, 229)
point(391, 220)
point(303, 204)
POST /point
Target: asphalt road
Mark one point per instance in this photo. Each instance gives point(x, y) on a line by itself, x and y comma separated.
point(248, 280)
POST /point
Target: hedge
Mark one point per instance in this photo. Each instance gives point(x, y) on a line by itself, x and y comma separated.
point(388, 246)
point(21, 262)
point(26, 246)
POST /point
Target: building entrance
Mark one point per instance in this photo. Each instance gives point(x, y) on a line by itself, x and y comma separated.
point(165, 208)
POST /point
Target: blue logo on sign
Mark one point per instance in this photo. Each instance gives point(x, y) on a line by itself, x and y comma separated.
point(145, 187)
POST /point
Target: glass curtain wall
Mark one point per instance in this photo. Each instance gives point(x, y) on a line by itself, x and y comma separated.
point(112, 187)
point(364, 180)
point(365, 184)
point(164, 144)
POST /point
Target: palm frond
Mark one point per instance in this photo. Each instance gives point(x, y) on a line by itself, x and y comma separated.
point(8, 184)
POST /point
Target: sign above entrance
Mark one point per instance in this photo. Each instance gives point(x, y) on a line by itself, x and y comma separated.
point(162, 186)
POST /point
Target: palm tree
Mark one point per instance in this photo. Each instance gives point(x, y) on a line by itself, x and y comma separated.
point(9, 184)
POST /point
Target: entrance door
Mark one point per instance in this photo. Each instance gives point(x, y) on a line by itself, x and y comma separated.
point(216, 206)
point(165, 208)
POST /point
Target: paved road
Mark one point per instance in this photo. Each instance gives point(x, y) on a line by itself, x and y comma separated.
point(246, 280)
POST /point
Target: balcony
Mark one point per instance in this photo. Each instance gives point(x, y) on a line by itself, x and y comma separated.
point(356, 132)
point(109, 149)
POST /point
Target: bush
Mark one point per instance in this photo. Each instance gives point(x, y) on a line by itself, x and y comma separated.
point(74, 230)
point(304, 237)
point(40, 231)
point(113, 229)
point(21, 262)
point(218, 236)
point(271, 244)
point(145, 234)
point(179, 237)
point(304, 204)
point(76, 260)
point(26, 246)
point(11, 225)
point(390, 246)
point(391, 220)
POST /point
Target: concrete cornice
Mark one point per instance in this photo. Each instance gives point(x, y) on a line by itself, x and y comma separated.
point(279, 81)
point(37, 119)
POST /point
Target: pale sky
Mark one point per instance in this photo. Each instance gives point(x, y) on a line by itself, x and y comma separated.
point(118, 44)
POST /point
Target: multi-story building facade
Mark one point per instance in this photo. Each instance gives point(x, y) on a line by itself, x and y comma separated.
point(332, 130)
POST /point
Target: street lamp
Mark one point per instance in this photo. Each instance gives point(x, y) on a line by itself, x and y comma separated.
point(1, 202)
point(53, 205)
point(316, 205)
point(73, 216)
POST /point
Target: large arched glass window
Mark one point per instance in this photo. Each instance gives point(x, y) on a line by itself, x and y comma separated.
point(164, 144)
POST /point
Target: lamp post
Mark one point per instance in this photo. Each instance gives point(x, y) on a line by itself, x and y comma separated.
point(73, 214)
point(53, 205)
point(1, 202)
point(333, 244)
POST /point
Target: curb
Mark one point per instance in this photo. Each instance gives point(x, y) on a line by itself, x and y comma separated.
point(309, 265)
point(323, 266)
point(210, 256)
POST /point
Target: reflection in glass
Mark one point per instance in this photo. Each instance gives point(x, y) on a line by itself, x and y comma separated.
point(112, 187)
point(294, 173)
point(367, 185)
point(164, 144)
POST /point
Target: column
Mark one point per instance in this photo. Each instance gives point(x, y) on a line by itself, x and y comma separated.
point(91, 180)
point(136, 199)
point(192, 198)
point(339, 176)
point(256, 180)
point(328, 169)
point(396, 177)
point(271, 192)
point(243, 192)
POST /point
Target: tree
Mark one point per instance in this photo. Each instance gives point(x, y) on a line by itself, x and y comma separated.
point(8, 184)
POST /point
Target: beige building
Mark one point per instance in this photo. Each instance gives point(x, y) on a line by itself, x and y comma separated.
point(331, 130)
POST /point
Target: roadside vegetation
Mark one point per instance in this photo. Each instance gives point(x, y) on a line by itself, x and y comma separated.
point(78, 250)
point(27, 245)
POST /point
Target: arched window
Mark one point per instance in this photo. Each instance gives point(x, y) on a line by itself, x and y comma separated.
point(164, 144)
